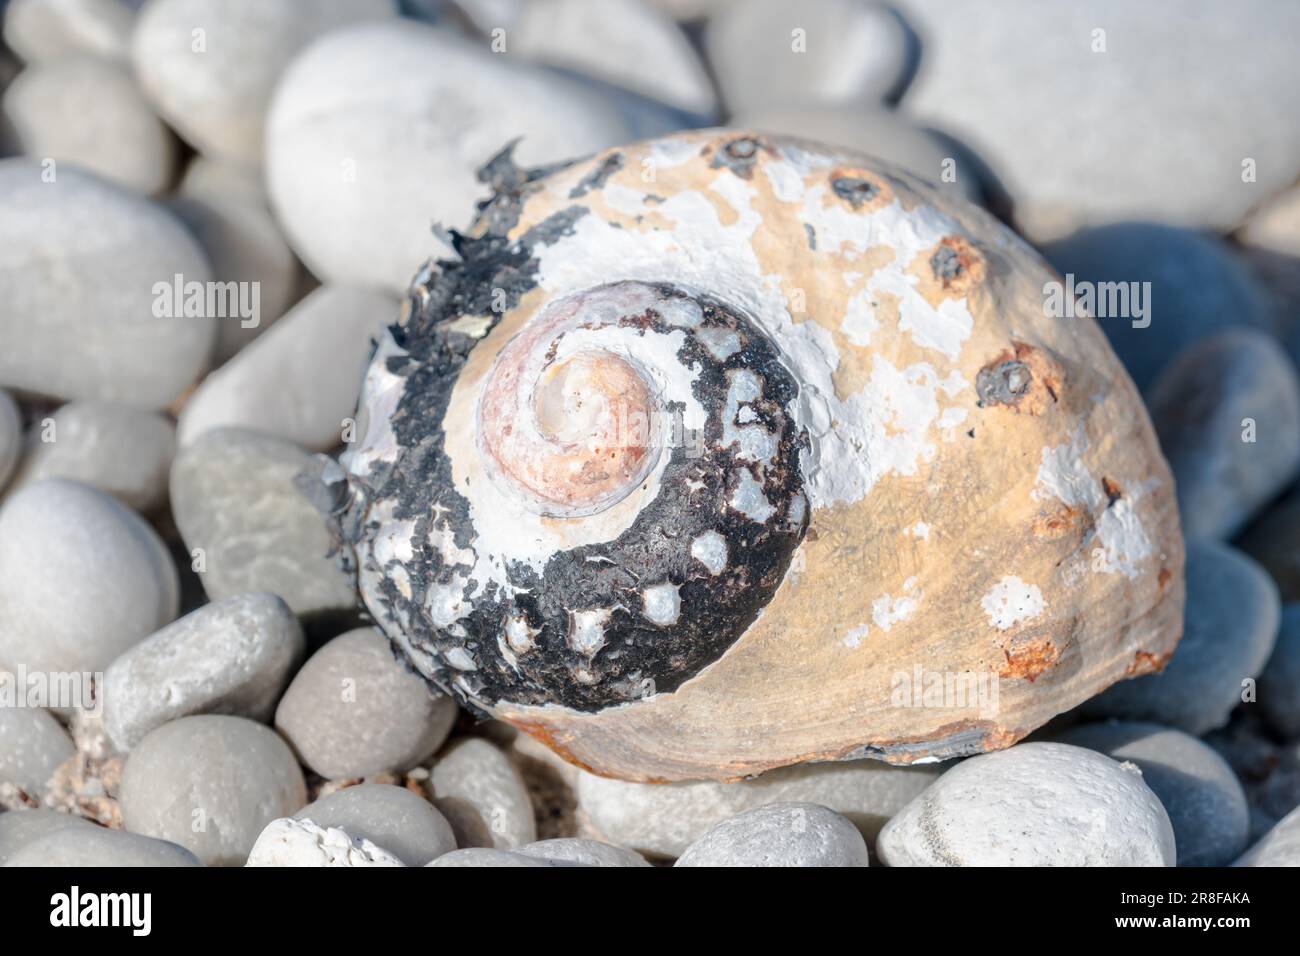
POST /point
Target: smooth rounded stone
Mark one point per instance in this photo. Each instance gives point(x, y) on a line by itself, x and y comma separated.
point(213, 88)
point(11, 437)
point(21, 827)
point(886, 134)
point(1275, 226)
point(1035, 804)
point(299, 381)
point(123, 451)
point(1279, 683)
point(1019, 86)
point(354, 710)
point(41, 30)
point(378, 130)
point(293, 842)
point(232, 656)
point(212, 784)
point(1273, 540)
point(1280, 846)
point(83, 267)
point(98, 846)
point(244, 246)
point(82, 578)
point(1231, 622)
point(582, 852)
point(32, 745)
point(663, 819)
point(482, 795)
point(235, 498)
point(120, 139)
point(1196, 288)
point(1227, 412)
point(1205, 802)
point(771, 53)
point(486, 856)
point(217, 181)
point(400, 821)
point(780, 834)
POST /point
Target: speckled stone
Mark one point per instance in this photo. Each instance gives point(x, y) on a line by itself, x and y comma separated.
point(233, 656)
point(1280, 846)
point(32, 745)
point(82, 578)
point(482, 795)
point(21, 827)
point(1035, 804)
point(354, 711)
point(41, 30)
point(1279, 684)
point(486, 856)
point(1231, 623)
point(124, 451)
point(662, 820)
point(234, 496)
point(211, 784)
point(395, 819)
point(11, 437)
point(780, 834)
point(1199, 404)
point(582, 852)
point(292, 842)
point(97, 846)
point(1197, 788)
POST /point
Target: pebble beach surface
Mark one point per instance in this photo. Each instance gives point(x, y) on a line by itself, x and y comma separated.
point(228, 704)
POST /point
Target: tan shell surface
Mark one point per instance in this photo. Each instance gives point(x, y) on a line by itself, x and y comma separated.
point(1024, 555)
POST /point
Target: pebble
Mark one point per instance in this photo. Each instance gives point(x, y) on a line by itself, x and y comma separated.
point(486, 856)
point(1280, 846)
point(1227, 411)
point(217, 181)
point(291, 842)
point(244, 245)
point(215, 94)
point(770, 53)
point(82, 578)
point(780, 834)
point(121, 139)
point(400, 821)
point(580, 852)
point(1279, 697)
point(212, 784)
point(886, 134)
point(21, 827)
point(11, 437)
point(79, 263)
point(662, 820)
point(1231, 622)
point(482, 795)
point(32, 746)
point(300, 381)
point(1273, 540)
point(378, 130)
point(1197, 288)
point(1019, 86)
point(1275, 226)
point(123, 451)
point(354, 710)
point(1035, 804)
point(1205, 802)
point(96, 846)
point(234, 496)
point(233, 656)
point(41, 30)
point(1269, 771)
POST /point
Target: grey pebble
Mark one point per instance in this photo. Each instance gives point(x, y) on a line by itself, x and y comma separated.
point(1231, 623)
point(780, 834)
point(482, 795)
point(96, 846)
point(1232, 386)
point(11, 437)
point(1273, 540)
point(1204, 800)
point(211, 784)
point(354, 710)
point(1034, 804)
point(233, 656)
point(581, 852)
point(21, 827)
point(1279, 684)
point(486, 856)
point(82, 578)
point(1280, 846)
point(394, 818)
point(32, 746)
point(234, 496)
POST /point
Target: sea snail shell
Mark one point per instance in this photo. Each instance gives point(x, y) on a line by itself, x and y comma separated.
point(708, 453)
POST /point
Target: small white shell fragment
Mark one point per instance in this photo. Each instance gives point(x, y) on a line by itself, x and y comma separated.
point(289, 842)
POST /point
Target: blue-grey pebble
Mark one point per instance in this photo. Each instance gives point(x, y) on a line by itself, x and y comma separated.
point(394, 818)
point(1279, 684)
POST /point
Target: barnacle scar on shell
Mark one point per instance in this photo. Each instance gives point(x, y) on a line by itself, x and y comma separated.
point(721, 452)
